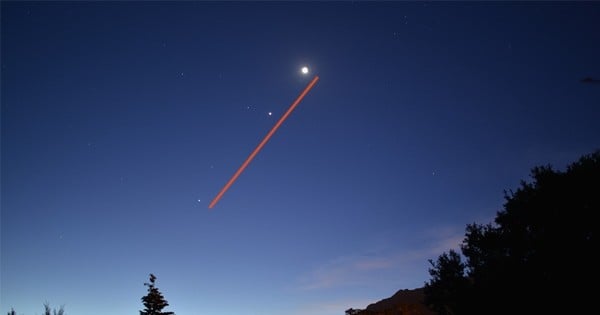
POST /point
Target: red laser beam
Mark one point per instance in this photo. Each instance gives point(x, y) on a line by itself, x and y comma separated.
point(263, 142)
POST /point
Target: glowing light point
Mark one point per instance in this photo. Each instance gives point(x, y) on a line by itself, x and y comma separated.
point(304, 70)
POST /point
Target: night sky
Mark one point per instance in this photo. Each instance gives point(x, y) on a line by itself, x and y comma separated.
point(121, 121)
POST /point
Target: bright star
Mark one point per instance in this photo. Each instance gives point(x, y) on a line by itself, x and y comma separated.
point(304, 70)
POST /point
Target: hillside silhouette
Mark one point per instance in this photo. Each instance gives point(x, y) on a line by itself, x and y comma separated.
point(403, 302)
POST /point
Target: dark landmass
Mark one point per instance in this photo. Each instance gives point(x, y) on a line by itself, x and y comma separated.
point(404, 302)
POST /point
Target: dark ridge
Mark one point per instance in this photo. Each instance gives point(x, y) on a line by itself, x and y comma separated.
point(403, 302)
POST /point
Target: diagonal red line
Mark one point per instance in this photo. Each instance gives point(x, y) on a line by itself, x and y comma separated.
point(263, 142)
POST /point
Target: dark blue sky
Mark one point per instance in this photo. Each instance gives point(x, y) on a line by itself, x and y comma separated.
point(121, 121)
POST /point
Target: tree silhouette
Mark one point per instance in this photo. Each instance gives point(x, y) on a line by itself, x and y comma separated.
point(447, 290)
point(154, 302)
point(536, 258)
point(47, 310)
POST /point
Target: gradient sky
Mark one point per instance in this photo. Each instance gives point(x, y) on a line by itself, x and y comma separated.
point(121, 121)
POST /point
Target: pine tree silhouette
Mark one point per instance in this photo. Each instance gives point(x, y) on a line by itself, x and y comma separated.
point(154, 301)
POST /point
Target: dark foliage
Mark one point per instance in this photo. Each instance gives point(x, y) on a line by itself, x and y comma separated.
point(154, 302)
point(352, 311)
point(447, 291)
point(47, 310)
point(537, 258)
